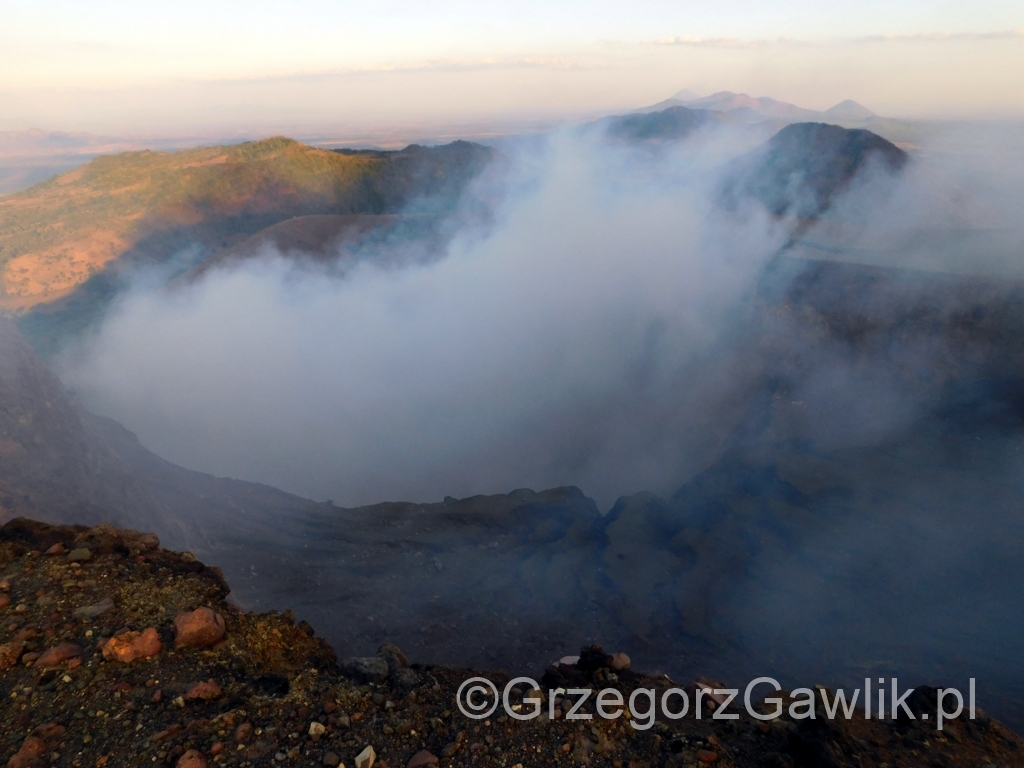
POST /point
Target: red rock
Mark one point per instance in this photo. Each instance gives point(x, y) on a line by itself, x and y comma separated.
point(30, 755)
point(9, 654)
point(158, 696)
point(192, 759)
point(130, 646)
point(50, 731)
point(4, 601)
point(5, 586)
point(59, 654)
point(421, 759)
point(706, 757)
point(206, 691)
point(56, 549)
point(74, 663)
point(199, 629)
point(29, 658)
point(620, 661)
point(217, 748)
point(243, 732)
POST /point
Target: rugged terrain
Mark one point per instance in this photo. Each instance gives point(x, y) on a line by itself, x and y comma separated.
point(68, 245)
point(115, 652)
point(861, 518)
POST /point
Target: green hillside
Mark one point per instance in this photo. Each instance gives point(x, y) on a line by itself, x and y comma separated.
point(148, 206)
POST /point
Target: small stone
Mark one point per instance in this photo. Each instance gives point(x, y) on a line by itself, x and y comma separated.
point(201, 628)
point(129, 646)
point(206, 691)
point(331, 759)
point(192, 759)
point(243, 732)
point(293, 753)
point(30, 755)
point(29, 658)
point(149, 541)
point(97, 609)
point(79, 555)
point(706, 757)
point(21, 608)
point(10, 653)
point(317, 729)
point(394, 657)
point(366, 758)
point(50, 731)
point(5, 586)
point(4, 601)
point(217, 748)
point(620, 662)
point(450, 749)
point(56, 549)
point(59, 654)
point(420, 759)
point(365, 668)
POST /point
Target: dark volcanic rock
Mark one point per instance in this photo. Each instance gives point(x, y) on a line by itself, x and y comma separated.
point(802, 169)
point(105, 715)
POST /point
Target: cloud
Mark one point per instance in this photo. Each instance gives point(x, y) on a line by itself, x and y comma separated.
point(791, 42)
point(586, 339)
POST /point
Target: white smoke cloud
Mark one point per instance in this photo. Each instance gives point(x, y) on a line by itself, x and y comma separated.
point(578, 341)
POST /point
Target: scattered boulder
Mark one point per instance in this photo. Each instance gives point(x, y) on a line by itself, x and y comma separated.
point(421, 759)
point(365, 668)
point(205, 691)
point(81, 555)
point(366, 758)
point(620, 662)
point(405, 679)
point(30, 755)
point(393, 656)
point(201, 628)
point(317, 729)
point(129, 646)
point(10, 653)
point(192, 759)
point(96, 609)
point(59, 654)
point(56, 549)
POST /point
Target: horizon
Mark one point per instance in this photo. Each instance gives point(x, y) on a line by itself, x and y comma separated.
point(114, 69)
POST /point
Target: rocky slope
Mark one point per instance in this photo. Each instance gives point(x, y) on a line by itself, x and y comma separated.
point(70, 244)
point(861, 521)
point(115, 652)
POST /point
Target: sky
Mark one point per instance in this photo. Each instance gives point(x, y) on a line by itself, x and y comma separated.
point(121, 67)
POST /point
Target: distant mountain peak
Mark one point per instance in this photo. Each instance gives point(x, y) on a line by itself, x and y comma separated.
point(684, 95)
point(754, 109)
point(849, 110)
